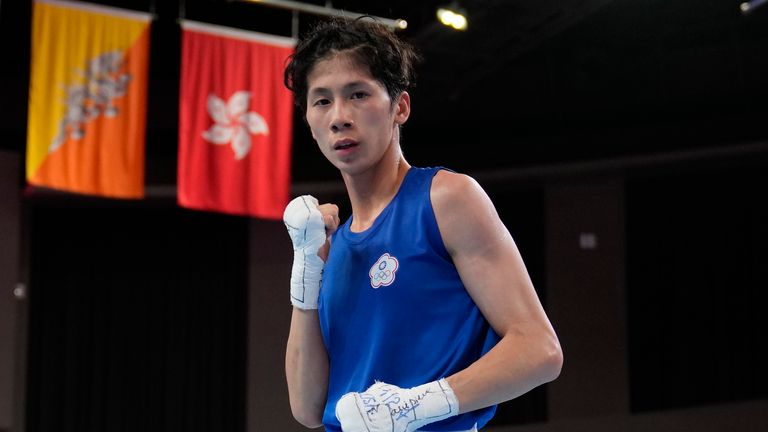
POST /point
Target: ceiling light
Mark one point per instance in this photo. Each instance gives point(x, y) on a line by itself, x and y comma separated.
point(453, 16)
point(748, 6)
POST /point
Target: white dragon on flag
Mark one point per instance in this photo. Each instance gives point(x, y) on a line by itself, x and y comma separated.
point(104, 80)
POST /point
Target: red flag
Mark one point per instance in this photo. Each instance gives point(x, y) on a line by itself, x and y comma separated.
point(235, 122)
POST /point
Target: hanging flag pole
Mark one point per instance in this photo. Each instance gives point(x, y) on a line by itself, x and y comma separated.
point(396, 24)
point(103, 9)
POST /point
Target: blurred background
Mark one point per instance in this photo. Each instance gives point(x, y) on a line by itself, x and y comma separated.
point(624, 143)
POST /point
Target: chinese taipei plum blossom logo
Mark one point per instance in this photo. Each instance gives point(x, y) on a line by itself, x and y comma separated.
point(233, 123)
point(383, 271)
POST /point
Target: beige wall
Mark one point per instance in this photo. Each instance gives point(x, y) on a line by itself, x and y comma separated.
point(586, 302)
point(10, 170)
point(585, 296)
point(269, 316)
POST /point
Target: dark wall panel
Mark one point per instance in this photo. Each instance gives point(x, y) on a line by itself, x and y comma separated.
point(137, 318)
point(697, 253)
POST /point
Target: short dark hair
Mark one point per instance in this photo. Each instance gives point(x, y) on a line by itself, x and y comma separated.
point(390, 59)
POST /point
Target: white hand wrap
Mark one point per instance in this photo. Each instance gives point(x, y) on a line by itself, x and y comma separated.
point(307, 230)
point(385, 407)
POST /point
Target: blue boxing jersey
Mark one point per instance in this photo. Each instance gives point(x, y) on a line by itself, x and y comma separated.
point(393, 308)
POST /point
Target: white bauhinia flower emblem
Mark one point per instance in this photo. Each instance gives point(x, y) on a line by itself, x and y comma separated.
point(234, 123)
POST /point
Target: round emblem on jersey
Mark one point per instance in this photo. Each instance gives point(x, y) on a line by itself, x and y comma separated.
point(383, 271)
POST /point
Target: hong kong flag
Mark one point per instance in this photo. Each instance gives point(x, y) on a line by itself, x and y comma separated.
point(235, 122)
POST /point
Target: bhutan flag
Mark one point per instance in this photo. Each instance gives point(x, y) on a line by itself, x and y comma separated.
point(87, 99)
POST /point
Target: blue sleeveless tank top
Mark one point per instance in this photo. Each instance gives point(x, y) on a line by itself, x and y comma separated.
point(393, 308)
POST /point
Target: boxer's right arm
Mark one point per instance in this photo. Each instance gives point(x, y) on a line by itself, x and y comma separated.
point(306, 368)
point(305, 225)
point(306, 360)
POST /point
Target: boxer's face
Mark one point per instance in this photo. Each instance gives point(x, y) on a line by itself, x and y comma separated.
point(351, 115)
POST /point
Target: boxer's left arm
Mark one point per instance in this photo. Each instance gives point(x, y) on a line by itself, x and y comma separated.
point(496, 278)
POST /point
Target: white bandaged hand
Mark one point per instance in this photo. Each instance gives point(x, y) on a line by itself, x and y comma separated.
point(386, 407)
point(307, 230)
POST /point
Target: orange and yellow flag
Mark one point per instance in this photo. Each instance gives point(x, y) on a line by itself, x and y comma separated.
point(87, 99)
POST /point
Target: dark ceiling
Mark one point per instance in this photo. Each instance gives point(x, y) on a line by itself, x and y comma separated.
point(530, 83)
